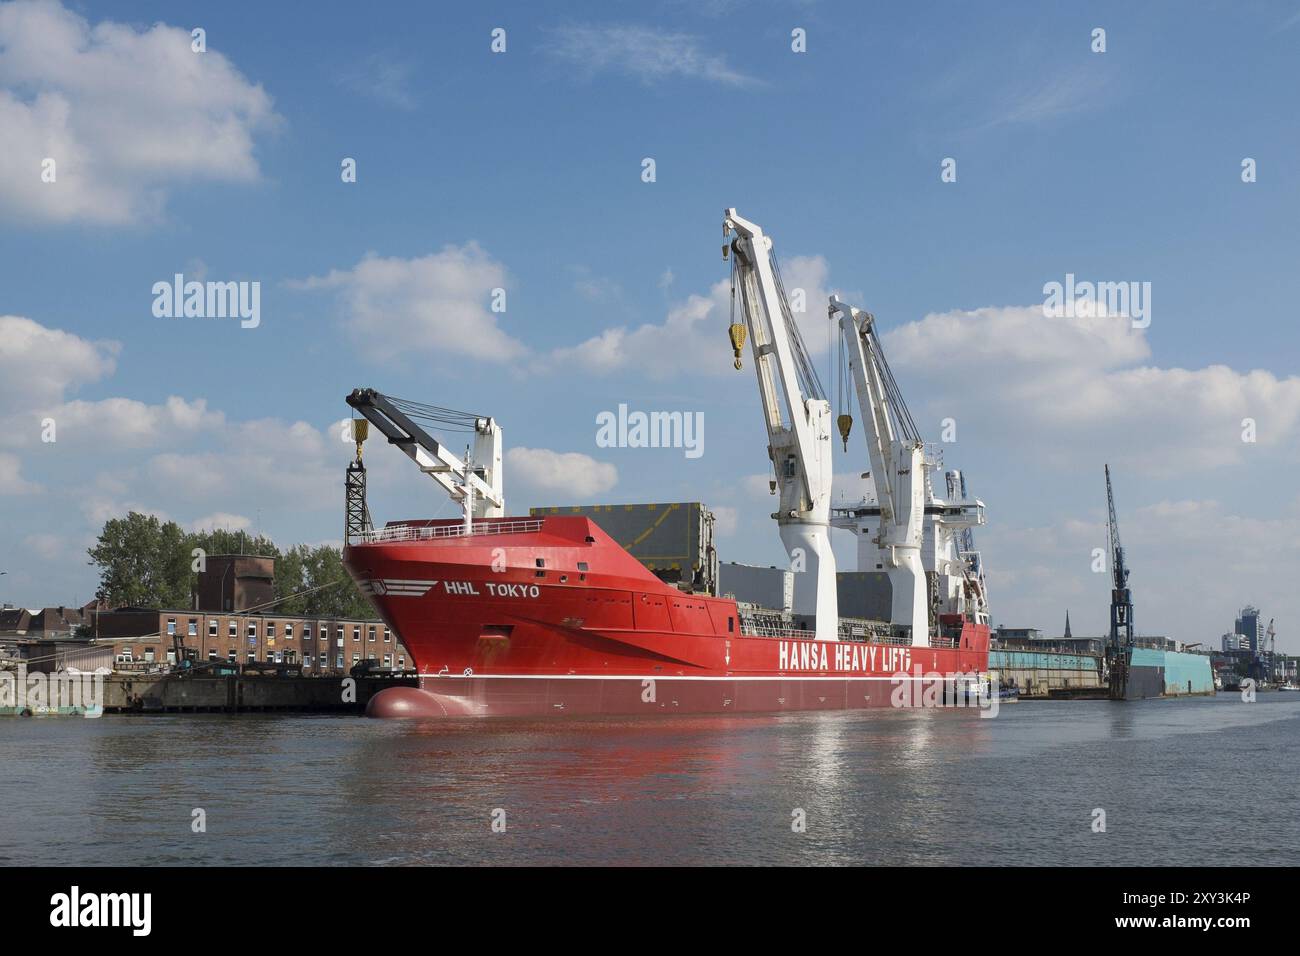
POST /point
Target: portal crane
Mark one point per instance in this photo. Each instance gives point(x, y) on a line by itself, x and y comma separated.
point(795, 410)
point(1121, 603)
point(474, 482)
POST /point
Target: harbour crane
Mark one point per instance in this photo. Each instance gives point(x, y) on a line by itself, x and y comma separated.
point(1121, 604)
point(795, 411)
point(474, 482)
point(1266, 650)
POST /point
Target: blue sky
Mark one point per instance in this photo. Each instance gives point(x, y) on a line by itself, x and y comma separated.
point(523, 169)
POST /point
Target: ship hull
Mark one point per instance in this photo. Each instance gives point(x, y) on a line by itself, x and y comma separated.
point(550, 617)
point(518, 696)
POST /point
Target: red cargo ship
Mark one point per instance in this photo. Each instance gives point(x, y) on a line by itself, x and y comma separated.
point(547, 616)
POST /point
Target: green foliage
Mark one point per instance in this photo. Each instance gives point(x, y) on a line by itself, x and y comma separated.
point(143, 562)
point(148, 563)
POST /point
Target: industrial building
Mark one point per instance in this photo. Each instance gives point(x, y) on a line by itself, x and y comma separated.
point(141, 637)
point(232, 620)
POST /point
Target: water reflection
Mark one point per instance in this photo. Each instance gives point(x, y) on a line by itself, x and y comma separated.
point(874, 787)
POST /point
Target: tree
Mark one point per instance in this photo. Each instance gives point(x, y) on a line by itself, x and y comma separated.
point(290, 579)
point(142, 562)
point(147, 563)
point(337, 595)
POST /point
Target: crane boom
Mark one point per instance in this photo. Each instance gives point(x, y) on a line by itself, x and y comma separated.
point(795, 411)
point(474, 482)
point(898, 465)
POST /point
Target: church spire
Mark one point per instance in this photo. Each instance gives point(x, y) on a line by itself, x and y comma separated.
point(1067, 624)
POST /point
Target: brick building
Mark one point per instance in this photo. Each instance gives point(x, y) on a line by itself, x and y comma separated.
point(231, 621)
point(321, 646)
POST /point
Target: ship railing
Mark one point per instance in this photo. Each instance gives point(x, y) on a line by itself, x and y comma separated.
point(408, 532)
point(777, 630)
point(869, 636)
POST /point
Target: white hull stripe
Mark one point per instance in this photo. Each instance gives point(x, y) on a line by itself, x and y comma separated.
point(397, 587)
point(666, 677)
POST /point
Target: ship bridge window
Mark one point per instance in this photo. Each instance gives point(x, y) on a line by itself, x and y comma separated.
point(541, 562)
point(582, 565)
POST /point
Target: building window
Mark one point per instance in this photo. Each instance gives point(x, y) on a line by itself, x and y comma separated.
point(212, 653)
point(388, 660)
point(388, 635)
point(401, 663)
point(212, 628)
point(338, 662)
point(370, 656)
point(288, 632)
point(252, 629)
point(370, 634)
point(193, 628)
point(148, 655)
point(306, 660)
point(233, 628)
point(252, 658)
point(356, 634)
point(171, 626)
point(270, 628)
point(232, 656)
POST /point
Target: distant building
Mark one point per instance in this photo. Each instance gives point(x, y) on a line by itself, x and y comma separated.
point(1018, 633)
point(1234, 642)
point(1249, 624)
point(45, 623)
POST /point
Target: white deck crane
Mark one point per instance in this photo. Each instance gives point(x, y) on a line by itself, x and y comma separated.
point(953, 577)
point(475, 481)
point(898, 469)
point(795, 410)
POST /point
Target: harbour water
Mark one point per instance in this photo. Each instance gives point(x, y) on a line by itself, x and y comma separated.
point(1195, 781)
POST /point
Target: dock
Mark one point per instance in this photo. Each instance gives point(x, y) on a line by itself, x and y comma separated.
point(125, 693)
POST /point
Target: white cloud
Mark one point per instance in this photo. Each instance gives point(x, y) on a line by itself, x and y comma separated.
point(44, 545)
point(125, 114)
point(1061, 384)
point(725, 519)
point(41, 365)
point(644, 53)
point(570, 473)
point(1059, 95)
point(221, 520)
point(692, 338)
point(439, 303)
point(127, 423)
point(1193, 563)
point(384, 78)
point(11, 479)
